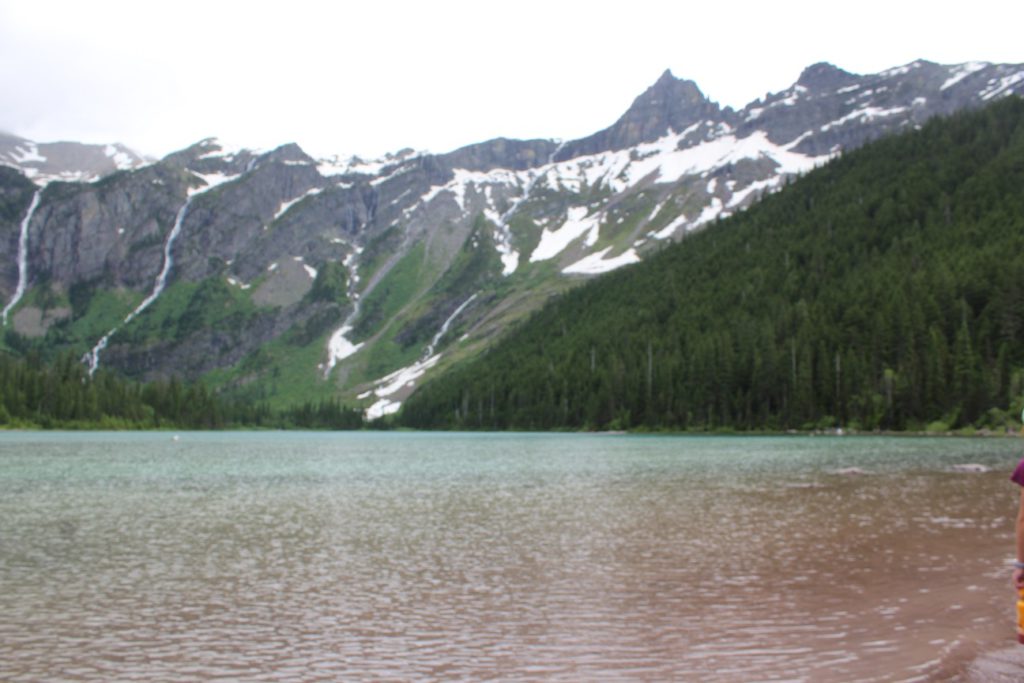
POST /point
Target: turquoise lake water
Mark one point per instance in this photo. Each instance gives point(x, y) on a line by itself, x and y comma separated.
point(403, 556)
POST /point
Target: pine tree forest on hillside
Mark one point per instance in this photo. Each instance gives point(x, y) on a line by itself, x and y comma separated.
point(883, 291)
point(63, 395)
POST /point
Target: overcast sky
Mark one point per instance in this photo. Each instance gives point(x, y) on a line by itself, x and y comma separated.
point(374, 76)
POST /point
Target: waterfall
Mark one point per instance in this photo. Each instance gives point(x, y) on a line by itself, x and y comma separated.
point(444, 328)
point(161, 279)
point(22, 257)
point(92, 359)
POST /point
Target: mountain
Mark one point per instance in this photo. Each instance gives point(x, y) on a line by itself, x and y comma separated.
point(276, 276)
point(67, 161)
point(880, 292)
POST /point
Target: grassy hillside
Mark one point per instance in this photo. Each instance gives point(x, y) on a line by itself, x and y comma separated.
point(885, 290)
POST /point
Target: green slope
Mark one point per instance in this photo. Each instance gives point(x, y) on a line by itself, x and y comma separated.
point(885, 290)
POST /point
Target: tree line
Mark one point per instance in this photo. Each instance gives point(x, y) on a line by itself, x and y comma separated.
point(62, 395)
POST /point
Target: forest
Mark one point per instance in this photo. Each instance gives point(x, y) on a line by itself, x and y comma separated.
point(62, 395)
point(883, 291)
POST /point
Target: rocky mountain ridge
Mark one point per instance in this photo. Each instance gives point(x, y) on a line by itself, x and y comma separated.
point(45, 162)
point(284, 274)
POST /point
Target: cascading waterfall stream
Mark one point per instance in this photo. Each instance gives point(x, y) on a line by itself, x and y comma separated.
point(444, 328)
point(386, 387)
point(339, 347)
point(92, 359)
point(22, 256)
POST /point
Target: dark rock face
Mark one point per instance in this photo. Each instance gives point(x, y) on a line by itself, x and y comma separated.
point(669, 104)
point(500, 153)
point(223, 223)
point(110, 232)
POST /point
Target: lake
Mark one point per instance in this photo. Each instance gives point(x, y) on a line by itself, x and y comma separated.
point(404, 556)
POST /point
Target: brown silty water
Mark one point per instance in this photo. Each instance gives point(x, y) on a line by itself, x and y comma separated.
point(608, 567)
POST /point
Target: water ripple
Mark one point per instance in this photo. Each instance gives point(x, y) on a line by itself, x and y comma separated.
point(473, 558)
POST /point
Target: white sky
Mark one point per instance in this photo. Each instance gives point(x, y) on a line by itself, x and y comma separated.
point(374, 76)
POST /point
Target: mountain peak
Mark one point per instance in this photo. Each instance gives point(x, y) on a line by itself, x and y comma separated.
point(668, 86)
point(669, 104)
point(666, 78)
point(824, 75)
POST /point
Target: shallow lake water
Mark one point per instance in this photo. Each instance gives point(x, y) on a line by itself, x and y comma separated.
point(398, 556)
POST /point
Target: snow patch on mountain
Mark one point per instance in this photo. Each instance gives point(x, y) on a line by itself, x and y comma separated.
point(339, 347)
point(354, 165)
point(754, 113)
point(310, 270)
point(710, 213)
point(738, 198)
point(667, 161)
point(576, 225)
point(122, 159)
point(391, 384)
point(503, 241)
point(901, 70)
point(235, 282)
point(670, 229)
point(791, 97)
point(961, 71)
point(654, 212)
point(463, 180)
point(27, 152)
point(335, 167)
point(212, 180)
point(1001, 86)
point(283, 209)
point(596, 263)
point(865, 113)
point(380, 180)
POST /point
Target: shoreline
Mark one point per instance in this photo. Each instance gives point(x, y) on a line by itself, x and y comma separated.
point(971, 433)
